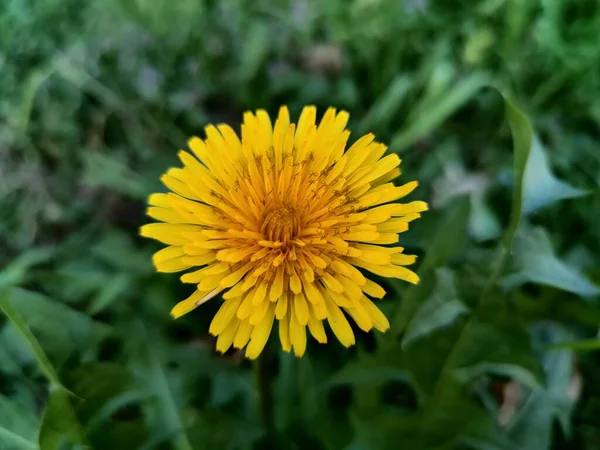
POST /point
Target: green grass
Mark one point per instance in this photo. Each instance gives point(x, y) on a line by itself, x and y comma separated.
point(97, 97)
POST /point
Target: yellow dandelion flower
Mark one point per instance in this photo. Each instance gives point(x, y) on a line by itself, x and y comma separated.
point(280, 221)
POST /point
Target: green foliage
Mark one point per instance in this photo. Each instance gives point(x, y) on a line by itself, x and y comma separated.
point(489, 351)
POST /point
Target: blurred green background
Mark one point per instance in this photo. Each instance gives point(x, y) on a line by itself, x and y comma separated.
point(97, 97)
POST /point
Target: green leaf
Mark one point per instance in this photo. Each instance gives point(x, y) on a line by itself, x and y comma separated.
point(540, 187)
point(18, 269)
point(483, 223)
point(61, 329)
point(441, 309)
point(97, 383)
point(18, 426)
point(532, 427)
point(164, 406)
point(536, 262)
point(445, 105)
point(116, 248)
point(448, 240)
point(255, 49)
point(17, 320)
point(113, 174)
point(450, 236)
point(110, 293)
point(59, 423)
point(583, 345)
point(522, 134)
point(387, 105)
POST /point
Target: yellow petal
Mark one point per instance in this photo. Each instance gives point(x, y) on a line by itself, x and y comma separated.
point(361, 316)
point(373, 289)
point(277, 286)
point(284, 333)
point(224, 315)
point(167, 233)
point(226, 337)
point(332, 283)
point(315, 326)
point(245, 308)
point(260, 294)
point(391, 271)
point(297, 336)
point(301, 308)
point(339, 324)
point(281, 306)
point(403, 260)
point(312, 293)
point(193, 301)
point(242, 335)
point(379, 320)
point(260, 333)
point(259, 312)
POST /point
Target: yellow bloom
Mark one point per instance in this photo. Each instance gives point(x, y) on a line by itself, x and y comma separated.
point(280, 221)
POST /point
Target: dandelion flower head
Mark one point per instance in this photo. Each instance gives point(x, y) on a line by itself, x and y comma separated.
point(279, 223)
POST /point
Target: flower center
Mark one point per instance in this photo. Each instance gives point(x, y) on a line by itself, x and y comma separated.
point(281, 223)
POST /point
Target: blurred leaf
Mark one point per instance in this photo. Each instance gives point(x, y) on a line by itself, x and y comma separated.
point(112, 173)
point(483, 223)
point(540, 187)
point(116, 248)
point(387, 105)
point(97, 383)
point(17, 320)
point(29, 92)
point(445, 105)
point(18, 427)
point(536, 263)
point(448, 240)
point(110, 293)
point(443, 363)
point(17, 270)
point(522, 134)
point(227, 385)
point(450, 237)
point(441, 309)
point(59, 423)
point(61, 329)
point(255, 49)
point(584, 345)
point(163, 408)
point(532, 427)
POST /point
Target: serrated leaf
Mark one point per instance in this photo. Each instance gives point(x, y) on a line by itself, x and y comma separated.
point(536, 262)
point(540, 187)
point(441, 309)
